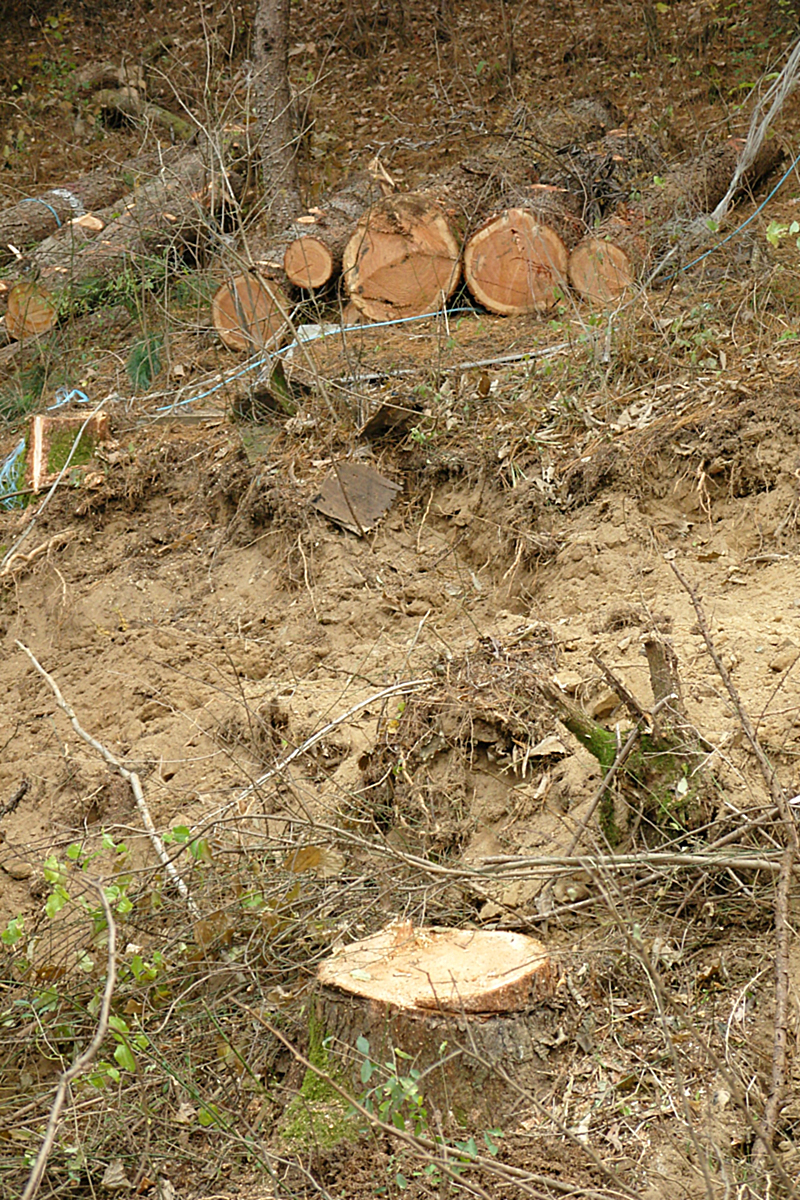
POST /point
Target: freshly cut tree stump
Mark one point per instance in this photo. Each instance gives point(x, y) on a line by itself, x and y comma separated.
point(607, 262)
point(170, 210)
point(250, 313)
point(465, 1005)
point(404, 258)
point(516, 261)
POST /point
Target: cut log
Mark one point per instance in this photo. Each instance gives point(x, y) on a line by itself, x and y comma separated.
point(31, 220)
point(404, 258)
point(516, 261)
point(609, 260)
point(250, 313)
point(30, 311)
point(314, 245)
point(170, 210)
point(468, 1007)
point(612, 257)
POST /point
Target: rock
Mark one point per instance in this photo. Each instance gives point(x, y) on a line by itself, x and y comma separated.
point(785, 657)
point(17, 868)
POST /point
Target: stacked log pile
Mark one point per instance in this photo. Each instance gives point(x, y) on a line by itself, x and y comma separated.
point(517, 234)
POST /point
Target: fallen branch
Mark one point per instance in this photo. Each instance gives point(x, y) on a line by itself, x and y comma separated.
point(129, 776)
point(85, 1059)
point(15, 799)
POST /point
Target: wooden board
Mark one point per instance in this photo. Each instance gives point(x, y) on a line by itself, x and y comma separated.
point(355, 496)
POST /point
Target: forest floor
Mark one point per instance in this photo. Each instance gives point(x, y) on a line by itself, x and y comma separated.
point(204, 620)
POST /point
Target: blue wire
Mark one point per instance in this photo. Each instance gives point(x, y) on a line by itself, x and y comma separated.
point(262, 360)
point(38, 200)
point(63, 396)
point(735, 232)
point(8, 482)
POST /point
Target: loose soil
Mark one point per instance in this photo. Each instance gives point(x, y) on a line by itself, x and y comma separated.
point(204, 620)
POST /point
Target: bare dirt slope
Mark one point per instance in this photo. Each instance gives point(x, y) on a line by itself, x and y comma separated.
point(205, 621)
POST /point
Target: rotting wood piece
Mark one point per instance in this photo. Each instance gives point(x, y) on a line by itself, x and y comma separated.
point(30, 220)
point(469, 1007)
point(516, 261)
point(608, 261)
point(250, 313)
point(171, 210)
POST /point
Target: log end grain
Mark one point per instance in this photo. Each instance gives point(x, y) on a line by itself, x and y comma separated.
point(249, 313)
point(514, 264)
point(600, 271)
point(308, 262)
point(447, 970)
point(31, 311)
point(403, 259)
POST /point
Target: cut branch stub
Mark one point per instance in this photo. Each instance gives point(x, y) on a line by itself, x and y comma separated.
point(516, 261)
point(249, 313)
point(403, 259)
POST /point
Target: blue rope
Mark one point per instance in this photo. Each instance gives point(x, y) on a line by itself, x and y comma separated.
point(38, 200)
point(63, 396)
point(8, 477)
point(262, 360)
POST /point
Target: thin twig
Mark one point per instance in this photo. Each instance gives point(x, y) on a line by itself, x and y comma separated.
point(129, 776)
point(15, 799)
point(83, 1060)
point(778, 1083)
point(395, 689)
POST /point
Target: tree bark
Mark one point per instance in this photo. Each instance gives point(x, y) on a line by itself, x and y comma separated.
point(28, 222)
point(277, 137)
point(172, 209)
point(609, 260)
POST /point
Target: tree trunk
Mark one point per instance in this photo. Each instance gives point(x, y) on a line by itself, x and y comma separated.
point(516, 261)
point(28, 222)
point(273, 106)
point(606, 263)
point(468, 1008)
point(171, 209)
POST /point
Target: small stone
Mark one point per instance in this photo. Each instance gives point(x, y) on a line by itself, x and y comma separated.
point(17, 868)
point(604, 705)
point(786, 657)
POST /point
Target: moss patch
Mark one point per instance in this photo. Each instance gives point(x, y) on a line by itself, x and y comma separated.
point(60, 446)
point(318, 1116)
